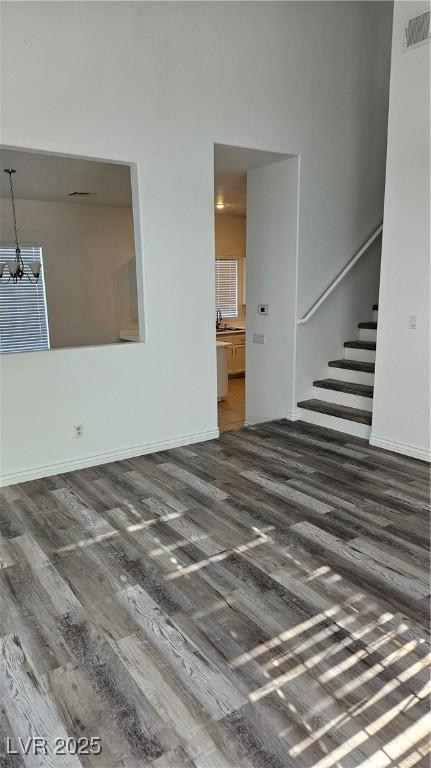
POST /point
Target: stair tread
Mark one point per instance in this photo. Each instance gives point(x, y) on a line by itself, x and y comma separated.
point(375, 307)
point(360, 344)
point(371, 326)
point(339, 411)
point(353, 365)
point(363, 390)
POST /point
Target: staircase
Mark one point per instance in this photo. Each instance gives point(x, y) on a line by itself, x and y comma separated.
point(344, 401)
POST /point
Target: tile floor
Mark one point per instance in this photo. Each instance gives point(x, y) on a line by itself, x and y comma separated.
point(231, 411)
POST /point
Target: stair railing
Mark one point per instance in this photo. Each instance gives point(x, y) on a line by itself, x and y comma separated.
point(340, 276)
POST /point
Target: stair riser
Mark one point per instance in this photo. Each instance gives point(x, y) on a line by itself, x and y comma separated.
point(343, 398)
point(375, 315)
point(332, 422)
point(345, 374)
point(367, 334)
point(365, 355)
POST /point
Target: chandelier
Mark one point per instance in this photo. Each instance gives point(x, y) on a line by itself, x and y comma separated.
point(16, 267)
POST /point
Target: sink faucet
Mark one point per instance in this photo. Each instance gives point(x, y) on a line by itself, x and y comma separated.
point(219, 319)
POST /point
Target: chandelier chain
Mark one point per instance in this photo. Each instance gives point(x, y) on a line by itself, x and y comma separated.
point(17, 267)
point(13, 212)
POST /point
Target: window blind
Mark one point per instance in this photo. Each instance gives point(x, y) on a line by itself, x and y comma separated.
point(23, 315)
point(227, 287)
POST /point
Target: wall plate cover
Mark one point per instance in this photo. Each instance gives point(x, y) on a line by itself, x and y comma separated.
point(263, 309)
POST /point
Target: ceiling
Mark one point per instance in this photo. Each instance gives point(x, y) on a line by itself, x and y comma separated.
point(53, 178)
point(230, 175)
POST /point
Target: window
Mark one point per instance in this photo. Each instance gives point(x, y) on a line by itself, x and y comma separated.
point(23, 316)
point(227, 287)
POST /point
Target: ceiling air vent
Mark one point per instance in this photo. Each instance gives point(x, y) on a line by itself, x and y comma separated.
point(81, 194)
point(417, 30)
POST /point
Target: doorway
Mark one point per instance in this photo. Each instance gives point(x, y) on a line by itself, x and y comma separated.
point(255, 213)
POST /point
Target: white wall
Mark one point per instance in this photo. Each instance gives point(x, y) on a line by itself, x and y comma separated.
point(272, 268)
point(401, 418)
point(89, 267)
point(158, 84)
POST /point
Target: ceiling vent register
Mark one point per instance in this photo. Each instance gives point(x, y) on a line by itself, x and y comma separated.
point(417, 31)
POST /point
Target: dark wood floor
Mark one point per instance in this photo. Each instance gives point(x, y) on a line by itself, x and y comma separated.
point(259, 601)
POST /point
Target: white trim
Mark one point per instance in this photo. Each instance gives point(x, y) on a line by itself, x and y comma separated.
point(343, 398)
point(405, 448)
point(141, 284)
point(292, 415)
point(292, 411)
point(347, 426)
point(34, 473)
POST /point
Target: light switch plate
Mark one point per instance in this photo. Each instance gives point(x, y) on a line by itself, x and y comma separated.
point(258, 338)
point(412, 322)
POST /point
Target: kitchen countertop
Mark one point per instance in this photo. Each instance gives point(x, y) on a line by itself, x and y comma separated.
point(236, 330)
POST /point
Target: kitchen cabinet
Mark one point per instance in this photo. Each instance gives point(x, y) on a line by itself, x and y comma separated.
point(223, 349)
point(239, 357)
point(230, 357)
point(236, 354)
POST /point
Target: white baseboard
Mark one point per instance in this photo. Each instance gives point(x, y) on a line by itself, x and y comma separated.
point(397, 447)
point(35, 473)
point(292, 415)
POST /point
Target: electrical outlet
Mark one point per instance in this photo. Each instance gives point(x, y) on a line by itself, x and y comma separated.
point(258, 338)
point(412, 322)
point(78, 430)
